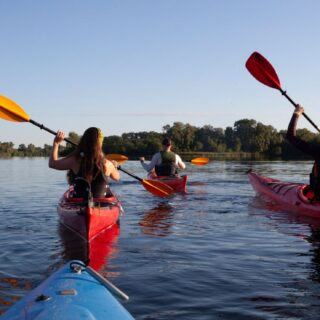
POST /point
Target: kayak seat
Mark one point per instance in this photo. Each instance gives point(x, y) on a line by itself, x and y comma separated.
point(83, 189)
point(71, 197)
point(167, 177)
point(310, 194)
point(80, 200)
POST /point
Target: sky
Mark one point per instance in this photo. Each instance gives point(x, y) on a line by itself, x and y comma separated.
point(138, 65)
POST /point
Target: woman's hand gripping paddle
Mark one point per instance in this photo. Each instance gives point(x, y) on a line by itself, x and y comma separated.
point(11, 111)
point(261, 69)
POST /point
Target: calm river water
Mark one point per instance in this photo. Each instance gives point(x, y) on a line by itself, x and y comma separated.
point(218, 252)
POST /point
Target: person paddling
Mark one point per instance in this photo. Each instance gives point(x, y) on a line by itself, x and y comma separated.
point(87, 164)
point(164, 162)
point(307, 148)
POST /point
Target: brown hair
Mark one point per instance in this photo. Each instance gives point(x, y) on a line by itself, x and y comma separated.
point(89, 152)
point(166, 142)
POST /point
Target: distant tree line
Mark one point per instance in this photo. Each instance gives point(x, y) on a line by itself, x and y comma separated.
point(247, 135)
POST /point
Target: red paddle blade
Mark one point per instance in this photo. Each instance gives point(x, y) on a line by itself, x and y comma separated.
point(157, 188)
point(263, 71)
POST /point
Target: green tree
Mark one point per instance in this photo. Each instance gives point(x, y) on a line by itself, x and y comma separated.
point(245, 130)
point(182, 135)
point(114, 144)
point(233, 143)
point(47, 150)
point(262, 137)
point(6, 149)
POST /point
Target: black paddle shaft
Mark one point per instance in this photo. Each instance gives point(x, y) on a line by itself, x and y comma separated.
point(284, 93)
point(130, 174)
point(41, 126)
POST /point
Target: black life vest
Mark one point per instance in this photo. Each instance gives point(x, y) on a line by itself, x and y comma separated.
point(99, 186)
point(168, 165)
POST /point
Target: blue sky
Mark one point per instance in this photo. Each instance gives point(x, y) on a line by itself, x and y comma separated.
point(137, 65)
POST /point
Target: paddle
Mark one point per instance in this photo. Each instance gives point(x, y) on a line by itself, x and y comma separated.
point(11, 111)
point(261, 69)
point(156, 187)
point(117, 157)
point(201, 161)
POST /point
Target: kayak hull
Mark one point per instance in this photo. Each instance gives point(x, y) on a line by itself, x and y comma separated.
point(88, 220)
point(177, 183)
point(96, 253)
point(67, 295)
point(290, 195)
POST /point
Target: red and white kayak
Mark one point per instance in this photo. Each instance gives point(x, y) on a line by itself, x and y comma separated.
point(177, 183)
point(88, 218)
point(290, 195)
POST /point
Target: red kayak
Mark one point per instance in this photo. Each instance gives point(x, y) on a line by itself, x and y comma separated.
point(88, 218)
point(95, 253)
point(292, 196)
point(177, 183)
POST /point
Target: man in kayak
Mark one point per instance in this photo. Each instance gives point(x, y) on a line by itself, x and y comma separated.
point(86, 164)
point(307, 148)
point(164, 162)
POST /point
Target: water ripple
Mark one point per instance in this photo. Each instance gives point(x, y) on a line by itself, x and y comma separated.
point(218, 252)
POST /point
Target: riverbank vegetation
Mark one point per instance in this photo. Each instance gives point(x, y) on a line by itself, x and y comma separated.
point(247, 139)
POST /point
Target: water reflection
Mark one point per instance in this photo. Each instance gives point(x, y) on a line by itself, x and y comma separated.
point(240, 266)
point(95, 253)
point(158, 221)
point(302, 227)
point(9, 284)
point(314, 240)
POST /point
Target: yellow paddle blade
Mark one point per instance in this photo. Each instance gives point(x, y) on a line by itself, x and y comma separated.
point(9, 110)
point(117, 157)
point(200, 161)
point(157, 188)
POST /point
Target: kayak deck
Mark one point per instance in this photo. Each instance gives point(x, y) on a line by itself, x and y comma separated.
point(73, 292)
point(290, 195)
point(88, 219)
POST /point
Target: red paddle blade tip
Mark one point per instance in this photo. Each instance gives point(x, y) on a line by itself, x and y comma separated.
point(261, 69)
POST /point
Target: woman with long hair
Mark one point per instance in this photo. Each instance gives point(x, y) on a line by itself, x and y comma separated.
point(87, 164)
